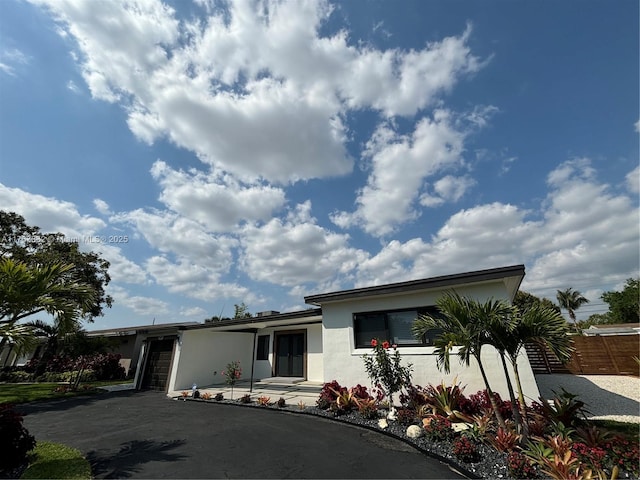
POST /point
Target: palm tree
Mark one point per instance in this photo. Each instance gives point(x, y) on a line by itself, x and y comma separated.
point(463, 323)
point(539, 324)
point(29, 290)
point(571, 300)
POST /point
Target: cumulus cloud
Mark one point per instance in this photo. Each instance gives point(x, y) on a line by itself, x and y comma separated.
point(633, 180)
point(216, 200)
point(448, 188)
point(562, 243)
point(399, 166)
point(297, 250)
point(50, 214)
point(254, 90)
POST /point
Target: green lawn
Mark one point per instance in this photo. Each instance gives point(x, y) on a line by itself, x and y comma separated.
point(53, 460)
point(29, 392)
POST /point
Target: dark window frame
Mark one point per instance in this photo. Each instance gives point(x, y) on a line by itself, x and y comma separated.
point(262, 350)
point(426, 341)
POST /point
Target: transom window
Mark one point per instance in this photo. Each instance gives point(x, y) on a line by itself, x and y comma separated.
point(392, 325)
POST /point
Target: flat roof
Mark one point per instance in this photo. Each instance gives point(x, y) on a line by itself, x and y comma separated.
point(268, 319)
point(514, 271)
point(136, 329)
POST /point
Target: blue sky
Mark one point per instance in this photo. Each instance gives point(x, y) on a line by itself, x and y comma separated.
point(259, 152)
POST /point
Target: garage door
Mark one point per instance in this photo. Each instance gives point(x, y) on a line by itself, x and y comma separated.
point(157, 365)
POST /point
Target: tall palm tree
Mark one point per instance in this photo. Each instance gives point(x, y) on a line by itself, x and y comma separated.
point(539, 324)
point(571, 300)
point(462, 322)
point(29, 290)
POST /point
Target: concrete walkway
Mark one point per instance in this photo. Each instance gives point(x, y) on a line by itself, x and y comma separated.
point(133, 434)
point(293, 392)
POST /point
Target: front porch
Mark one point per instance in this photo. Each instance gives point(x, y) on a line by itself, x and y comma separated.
point(293, 390)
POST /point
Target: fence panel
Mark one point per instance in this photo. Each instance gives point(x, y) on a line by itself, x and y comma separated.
point(597, 355)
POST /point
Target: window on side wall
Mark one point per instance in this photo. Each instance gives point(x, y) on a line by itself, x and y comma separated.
point(392, 325)
point(263, 348)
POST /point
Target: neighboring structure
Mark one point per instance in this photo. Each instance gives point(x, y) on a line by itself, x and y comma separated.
point(327, 343)
point(129, 342)
point(613, 329)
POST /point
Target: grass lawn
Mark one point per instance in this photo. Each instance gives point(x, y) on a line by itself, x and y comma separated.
point(53, 460)
point(29, 392)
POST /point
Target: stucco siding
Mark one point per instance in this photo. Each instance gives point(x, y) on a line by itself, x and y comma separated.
point(343, 362)
point(200, 353)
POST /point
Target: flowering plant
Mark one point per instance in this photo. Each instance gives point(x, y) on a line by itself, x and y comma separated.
point(384, 368)
point(232, 374)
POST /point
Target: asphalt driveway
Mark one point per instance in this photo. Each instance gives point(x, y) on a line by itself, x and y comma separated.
point(146, 435)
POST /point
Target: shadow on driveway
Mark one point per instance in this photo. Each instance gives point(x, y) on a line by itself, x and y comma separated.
point(147, 435)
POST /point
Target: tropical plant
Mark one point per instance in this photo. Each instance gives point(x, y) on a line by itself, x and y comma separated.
point(509, 334)
point(460, 321)
point(465, 449)
point(505, 439)
point(301, 405)
point(263, 400)
point(385, 369)
point(246, 398)
point(15, 440)
point(281, 403)
point(232, 374)
point(28, 290)
point(445, 400)
point(437, 428)
point(367, 407)
point(565, 408)
point(571, 300)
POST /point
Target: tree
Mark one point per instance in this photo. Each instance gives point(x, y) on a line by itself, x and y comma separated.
point(462, 322)
point(28, 245)
point(571, 300)
point(241, 311)
point(624, 306)
point(524, 300)
point(539, 324)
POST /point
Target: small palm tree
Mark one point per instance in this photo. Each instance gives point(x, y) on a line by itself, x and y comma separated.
point(571, 300)
point(539, 324)
point(27, 290)
point(463, 323)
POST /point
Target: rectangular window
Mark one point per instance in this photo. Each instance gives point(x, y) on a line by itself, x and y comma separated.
point(263, 348)
point(394, 326)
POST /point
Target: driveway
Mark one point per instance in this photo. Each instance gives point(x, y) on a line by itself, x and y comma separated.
point(147, 435)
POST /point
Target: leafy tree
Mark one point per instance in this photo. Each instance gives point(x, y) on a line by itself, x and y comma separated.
point(571, 300)
point(462, 322)
point(524, 301)
point(241, 311)
point(624, 306)
point(27, 244)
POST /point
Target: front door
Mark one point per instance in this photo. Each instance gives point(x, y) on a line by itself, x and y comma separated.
point(290, 355)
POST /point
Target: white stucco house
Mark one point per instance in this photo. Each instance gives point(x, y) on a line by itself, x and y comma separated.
point(327, 342)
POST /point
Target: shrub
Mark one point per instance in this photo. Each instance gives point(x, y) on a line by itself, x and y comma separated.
point(438, 428)
point(18, 376)
point(15, 440)
point(218, 397)
point(281, 402)
point(465, 449)
point(624, 454)
point(264, 400)
point(406, 416)
point(106, 366)
point(328, 394)
point(246, 398)
point(367, 408)
point(205, 396)
point(520, 466)
point(505, 440)
point(565, 408)
point(360, 392)
point(479, 403)
point(385, 369)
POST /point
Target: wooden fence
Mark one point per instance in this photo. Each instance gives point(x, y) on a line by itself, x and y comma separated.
point(597, 355)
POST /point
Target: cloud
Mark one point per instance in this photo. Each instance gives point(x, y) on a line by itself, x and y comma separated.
point(50, 214)
point(399, 166)
point(448, 188)
point(216, 200)
point(12, 59)
point(192, 312)
point(145, 306)
point(102, 207)
point(562, 243)
point(633, 180)
point(296, 251)
point(255, 90)
point(637, 126)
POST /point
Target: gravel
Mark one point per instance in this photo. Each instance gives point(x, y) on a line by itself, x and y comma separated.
point(607, 397)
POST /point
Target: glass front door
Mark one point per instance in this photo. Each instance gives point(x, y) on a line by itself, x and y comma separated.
point(290, 355)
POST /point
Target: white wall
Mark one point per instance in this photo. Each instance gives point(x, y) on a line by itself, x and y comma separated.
point(201, 352)
point(264, 368)
point(343, 362)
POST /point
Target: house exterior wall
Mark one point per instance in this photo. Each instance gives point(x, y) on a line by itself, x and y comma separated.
point(201, 352)
point(314, 370)
point(343, 362)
